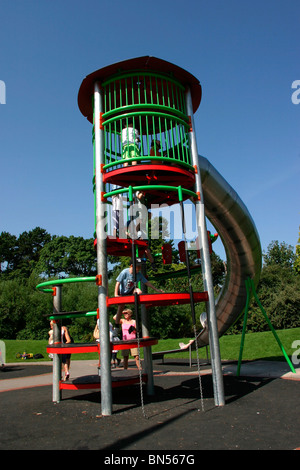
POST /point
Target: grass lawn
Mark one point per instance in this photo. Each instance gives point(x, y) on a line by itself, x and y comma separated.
point(257, 346)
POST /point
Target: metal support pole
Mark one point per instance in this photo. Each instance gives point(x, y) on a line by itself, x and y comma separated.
point(56, 367)
point(133, 258)
point(105, 349)
point(187, 255)
point(148, 365)
point(206, 266)
point(187, 261)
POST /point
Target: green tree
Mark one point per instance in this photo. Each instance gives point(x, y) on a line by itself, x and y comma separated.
point(23, 309)
point(279, 254)
point(7, 252)
point(68, 256)
point(297, 257)
point(29, 246)
point(19, 256)
point(13, 301)
point(278, 291)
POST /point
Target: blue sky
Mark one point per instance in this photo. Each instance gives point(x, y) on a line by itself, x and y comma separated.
point(245, 54)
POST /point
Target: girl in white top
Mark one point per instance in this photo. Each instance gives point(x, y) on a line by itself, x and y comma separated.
point(130, 141)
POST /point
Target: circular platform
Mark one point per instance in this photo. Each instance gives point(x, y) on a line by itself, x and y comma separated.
point(151, 300)
point(78, 348)
point(133, 343)
point(73, 348)
point(153, 175)
point(119, 378)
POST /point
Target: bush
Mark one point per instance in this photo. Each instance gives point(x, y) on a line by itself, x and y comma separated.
point(279, 294)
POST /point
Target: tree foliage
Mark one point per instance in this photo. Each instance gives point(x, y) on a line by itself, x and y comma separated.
point(19, 256)
point(26, 261)
point(279, 254)
point(278, 291)
point(72, 255)
point(36, 255)
point(297, 257)
point(23, 310)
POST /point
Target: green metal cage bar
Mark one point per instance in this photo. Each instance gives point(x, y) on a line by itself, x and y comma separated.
point(175, 112)
point(146, 87)
point(156, 103)
point(170, 131)
point(146, 158)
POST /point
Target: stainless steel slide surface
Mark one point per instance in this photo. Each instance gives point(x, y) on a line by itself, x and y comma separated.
point(235, 227)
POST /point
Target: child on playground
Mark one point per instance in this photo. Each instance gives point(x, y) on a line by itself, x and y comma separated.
point(117, 214)
point(155, 150)
point(130, 141)
point(2, 354)
point(137, 224)
point(113, 337)
point(65, 338)
point(129, 332)
point(125, 285)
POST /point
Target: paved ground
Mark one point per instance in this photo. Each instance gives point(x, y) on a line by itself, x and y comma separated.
point(261, 411)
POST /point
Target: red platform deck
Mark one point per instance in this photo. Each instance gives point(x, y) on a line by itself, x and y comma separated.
point(153, 174)
point(77, 348)
point(159, 299)
point(119, 378)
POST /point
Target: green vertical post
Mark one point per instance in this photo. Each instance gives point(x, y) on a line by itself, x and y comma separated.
point(244, 327)
point(250, 287)
point(56, 371)
point(271, 328)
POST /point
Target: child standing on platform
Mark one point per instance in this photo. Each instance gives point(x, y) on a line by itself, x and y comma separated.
point(113, 337)
point(130, 141)
point(129, 332)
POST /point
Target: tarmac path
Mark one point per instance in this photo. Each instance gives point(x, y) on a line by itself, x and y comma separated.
point(262, 411)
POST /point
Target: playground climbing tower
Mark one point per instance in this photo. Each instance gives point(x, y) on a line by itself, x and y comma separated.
point(142, 112)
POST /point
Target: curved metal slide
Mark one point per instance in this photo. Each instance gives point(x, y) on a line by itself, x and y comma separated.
point(234, 224)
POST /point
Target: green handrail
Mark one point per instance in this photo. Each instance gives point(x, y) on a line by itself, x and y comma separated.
point(55, 282)
point(146, 113)
point(72, 315)
point(168, 160)
point(148, 86)
point(128, 107)
point(149, 187)
point(140, 74)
